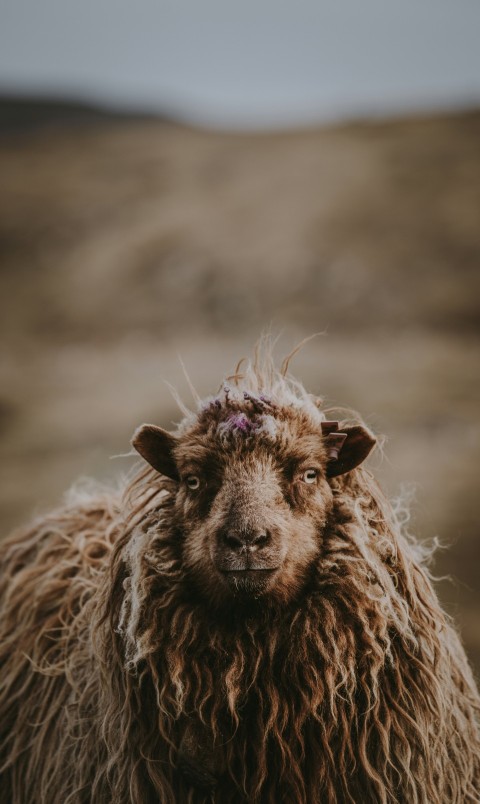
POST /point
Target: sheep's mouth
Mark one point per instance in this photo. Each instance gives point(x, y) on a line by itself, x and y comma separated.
point(247, 572)
point(249, 581)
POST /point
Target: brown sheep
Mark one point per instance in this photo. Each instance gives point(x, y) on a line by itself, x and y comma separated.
point(244, 622)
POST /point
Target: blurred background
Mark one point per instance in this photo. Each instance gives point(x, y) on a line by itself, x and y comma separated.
point(176, 176)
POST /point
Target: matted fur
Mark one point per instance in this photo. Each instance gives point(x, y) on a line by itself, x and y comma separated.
point(116, 667)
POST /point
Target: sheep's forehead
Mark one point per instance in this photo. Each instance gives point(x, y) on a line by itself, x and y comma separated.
point(251, 425)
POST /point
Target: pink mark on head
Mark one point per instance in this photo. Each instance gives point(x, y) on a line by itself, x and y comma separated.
point(239, 421)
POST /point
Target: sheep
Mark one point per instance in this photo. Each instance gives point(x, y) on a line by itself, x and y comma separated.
point(243, 621)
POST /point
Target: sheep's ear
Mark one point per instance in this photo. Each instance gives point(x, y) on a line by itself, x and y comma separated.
point(156, 446)
point(346, 448)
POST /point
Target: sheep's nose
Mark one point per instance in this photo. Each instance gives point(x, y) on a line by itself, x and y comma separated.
point(246, 539)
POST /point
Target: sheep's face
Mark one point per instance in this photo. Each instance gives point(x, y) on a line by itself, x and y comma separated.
point(252, 515)
point(252, 496)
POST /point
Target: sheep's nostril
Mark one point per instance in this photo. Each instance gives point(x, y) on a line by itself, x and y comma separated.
point(234, 541)
point(259, 539)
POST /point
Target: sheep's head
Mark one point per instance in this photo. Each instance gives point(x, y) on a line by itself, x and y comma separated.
point(253, 488)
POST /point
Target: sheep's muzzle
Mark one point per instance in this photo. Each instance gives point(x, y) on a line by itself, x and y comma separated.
point(248, 559)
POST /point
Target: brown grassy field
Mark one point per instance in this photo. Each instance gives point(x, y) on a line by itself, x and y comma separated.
point(125, 242)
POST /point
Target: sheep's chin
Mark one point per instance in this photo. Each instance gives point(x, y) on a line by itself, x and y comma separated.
point(249, 583)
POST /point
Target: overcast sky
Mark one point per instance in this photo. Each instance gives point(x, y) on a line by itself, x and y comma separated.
point(246, 62)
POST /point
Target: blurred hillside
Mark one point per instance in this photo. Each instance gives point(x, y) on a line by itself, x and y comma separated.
point(124, 242)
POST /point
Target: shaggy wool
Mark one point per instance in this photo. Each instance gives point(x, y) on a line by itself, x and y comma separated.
point(140, 664)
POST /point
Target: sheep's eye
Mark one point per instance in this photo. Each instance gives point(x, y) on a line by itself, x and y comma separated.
point(310, 476)
point(193, 482)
